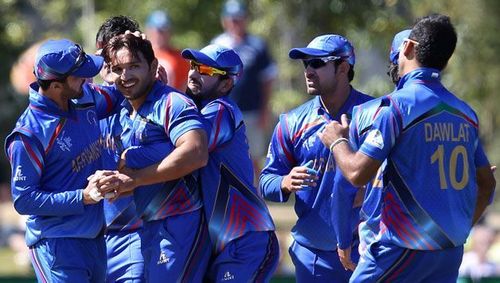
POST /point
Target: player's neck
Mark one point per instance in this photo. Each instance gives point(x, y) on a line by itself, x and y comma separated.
point(333, 101)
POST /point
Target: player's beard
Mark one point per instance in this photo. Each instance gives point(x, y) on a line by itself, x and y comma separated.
point(202, 94)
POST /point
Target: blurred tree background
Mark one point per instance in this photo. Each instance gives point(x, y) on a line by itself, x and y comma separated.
point(473, 72)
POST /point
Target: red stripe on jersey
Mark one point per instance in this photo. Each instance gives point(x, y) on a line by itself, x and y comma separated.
point(55, 134)
point(32, 154)
point(217, 127)
point(107, 97)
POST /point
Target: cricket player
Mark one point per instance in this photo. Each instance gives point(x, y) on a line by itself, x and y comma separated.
point(53, 149)
point(123, 224)
point(164, 128)
point(244, 244)
point(299, 163)
point(437, 180)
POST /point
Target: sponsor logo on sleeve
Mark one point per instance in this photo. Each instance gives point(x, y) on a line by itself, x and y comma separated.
point(374, 138)
point(18, 175)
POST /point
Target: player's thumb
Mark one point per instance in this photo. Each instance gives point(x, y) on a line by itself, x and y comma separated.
point(344, 120)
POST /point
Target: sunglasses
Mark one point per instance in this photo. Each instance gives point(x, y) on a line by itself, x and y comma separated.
point(317, 63)
point(407, 40)
point(78, 63)
point(206, 70)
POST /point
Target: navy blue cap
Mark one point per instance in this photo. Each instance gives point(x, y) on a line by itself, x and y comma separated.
point(57, 59)
point(326, 45)
point(396, 43)
point(158, 19)
point(216, 56)
point(234, 8)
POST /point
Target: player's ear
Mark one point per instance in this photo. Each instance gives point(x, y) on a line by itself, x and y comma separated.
point(226, 85)
point(344, 67)
point(153, 67)
point(56, 85)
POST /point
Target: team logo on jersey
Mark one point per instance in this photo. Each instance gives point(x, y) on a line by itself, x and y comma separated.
point(92, 117)
point(18, 175)
point(163, 259)
point(375, 139)
point(227, 276)
point(309, 142)
point(64, 143)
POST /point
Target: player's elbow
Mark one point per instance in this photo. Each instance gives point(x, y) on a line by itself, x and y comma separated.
point(486, 181)
point(200, 156)
point(357, 178)
point(22, 206)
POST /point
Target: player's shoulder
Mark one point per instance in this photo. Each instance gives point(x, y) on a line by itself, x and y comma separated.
point(162, 93)
point(304, 109)
point(362, 97)
point(296, 118)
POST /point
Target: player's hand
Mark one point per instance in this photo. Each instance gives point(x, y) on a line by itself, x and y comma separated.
point(161, 74)
point(345, 258)
point(301, 177)
point(116, 185)
point(123, 160)
point(91, 193)
point(334, 131)
point(137, 34)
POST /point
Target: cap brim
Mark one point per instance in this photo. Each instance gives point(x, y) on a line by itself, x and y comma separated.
point(199, 57)
point(304, 53)
point(90, 68)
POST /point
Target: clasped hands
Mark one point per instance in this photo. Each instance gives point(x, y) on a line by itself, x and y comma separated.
point(109, 184)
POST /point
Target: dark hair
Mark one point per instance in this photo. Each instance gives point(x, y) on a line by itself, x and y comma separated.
point(133, 43)
point(350, 74)
point(436, 39)
point(393, 72)
point(114, 26)
point(44, 84)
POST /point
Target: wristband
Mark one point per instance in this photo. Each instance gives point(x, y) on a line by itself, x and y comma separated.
point(336, 142)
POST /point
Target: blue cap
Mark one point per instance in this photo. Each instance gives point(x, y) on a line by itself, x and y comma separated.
point(326, 45)
point(216, 56)
point(234, 9)
point(396, 43)
point(158, 19)
point(57, 59)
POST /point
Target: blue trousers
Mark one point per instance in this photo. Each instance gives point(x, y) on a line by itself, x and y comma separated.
point(176, 249)
point(252, 257)
point(72, 260)
point(312, 265)
point(125, 261)
point(385, 262)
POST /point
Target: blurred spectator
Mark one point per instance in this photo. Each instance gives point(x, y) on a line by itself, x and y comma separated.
point(253, 90)
point(21, 73)
point(476, 263)
point(12, 228)
point(159, 31)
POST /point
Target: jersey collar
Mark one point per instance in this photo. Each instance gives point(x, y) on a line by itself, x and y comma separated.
point(426, 75)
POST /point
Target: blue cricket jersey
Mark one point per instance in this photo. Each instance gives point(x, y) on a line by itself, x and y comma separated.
point(165, 115)
point(295, 143)
point(431, 142)
point(121, 214)
point(362, 120)
point(232, 204)
point(52, 152)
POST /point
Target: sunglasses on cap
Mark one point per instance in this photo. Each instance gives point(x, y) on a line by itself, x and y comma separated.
point(206, 70)
point(407, 40)
point(317, 63)
point(78, 63)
